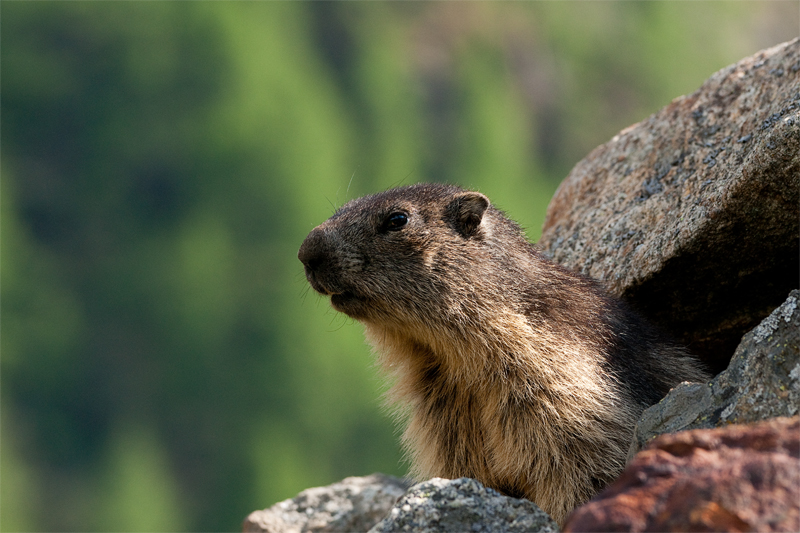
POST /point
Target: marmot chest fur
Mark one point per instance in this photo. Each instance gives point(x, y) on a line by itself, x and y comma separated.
point(507, 368)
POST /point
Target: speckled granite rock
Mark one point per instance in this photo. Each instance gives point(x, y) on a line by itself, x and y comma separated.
point(691, 214)
point(735, 478)
point(762, 381)
point(351, 505)
point(463, 506)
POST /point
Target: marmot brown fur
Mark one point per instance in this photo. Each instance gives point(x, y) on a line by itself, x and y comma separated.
point(510, 369)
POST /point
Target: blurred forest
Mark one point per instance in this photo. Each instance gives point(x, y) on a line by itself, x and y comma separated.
point(164, 365)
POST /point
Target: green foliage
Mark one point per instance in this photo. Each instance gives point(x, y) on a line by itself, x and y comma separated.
point(136, 490)
point(164, 364)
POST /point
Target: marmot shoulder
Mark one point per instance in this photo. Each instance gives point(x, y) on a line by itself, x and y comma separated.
point(507, 367)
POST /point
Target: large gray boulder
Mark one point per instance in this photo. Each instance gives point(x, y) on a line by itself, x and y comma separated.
point(463, 506)
point(692, 214)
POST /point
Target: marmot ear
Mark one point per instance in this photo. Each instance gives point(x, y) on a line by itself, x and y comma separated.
point(466, 212)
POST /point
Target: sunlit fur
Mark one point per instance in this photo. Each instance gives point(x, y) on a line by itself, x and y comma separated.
point(506, 367)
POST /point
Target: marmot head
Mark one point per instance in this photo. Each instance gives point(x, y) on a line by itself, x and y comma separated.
point(404, 256)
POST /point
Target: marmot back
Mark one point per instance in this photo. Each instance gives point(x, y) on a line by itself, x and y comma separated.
point(508, 368)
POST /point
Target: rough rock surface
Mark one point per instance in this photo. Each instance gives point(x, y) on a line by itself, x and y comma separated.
point(353, 504)
point(461, 506)
point(737, 478)
point(762, 381)
point(691, 214)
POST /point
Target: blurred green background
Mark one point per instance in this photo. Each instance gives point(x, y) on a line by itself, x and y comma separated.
point(164, 366)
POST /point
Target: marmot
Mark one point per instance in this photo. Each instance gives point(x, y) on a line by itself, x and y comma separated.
point(507, 367)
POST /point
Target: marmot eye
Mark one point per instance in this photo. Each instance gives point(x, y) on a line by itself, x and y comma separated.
point(395, 221)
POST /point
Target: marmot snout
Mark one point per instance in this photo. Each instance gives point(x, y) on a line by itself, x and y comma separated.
point(507, 368)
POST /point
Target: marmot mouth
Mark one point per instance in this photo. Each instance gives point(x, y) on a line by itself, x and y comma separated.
point(343, 301)
point(341, 298)
point(348, 303)
point(319, 286)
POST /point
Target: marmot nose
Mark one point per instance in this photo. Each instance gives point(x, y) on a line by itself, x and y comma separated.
point(312, 251)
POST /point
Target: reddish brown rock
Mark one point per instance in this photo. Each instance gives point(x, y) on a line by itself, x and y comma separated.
point(692, 214)
point(737, 478)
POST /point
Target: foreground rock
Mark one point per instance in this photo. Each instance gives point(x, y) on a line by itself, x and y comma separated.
point(691, 214)
point(353, 504)
point(737, 478)
point(461, 506)
point(762, 381)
